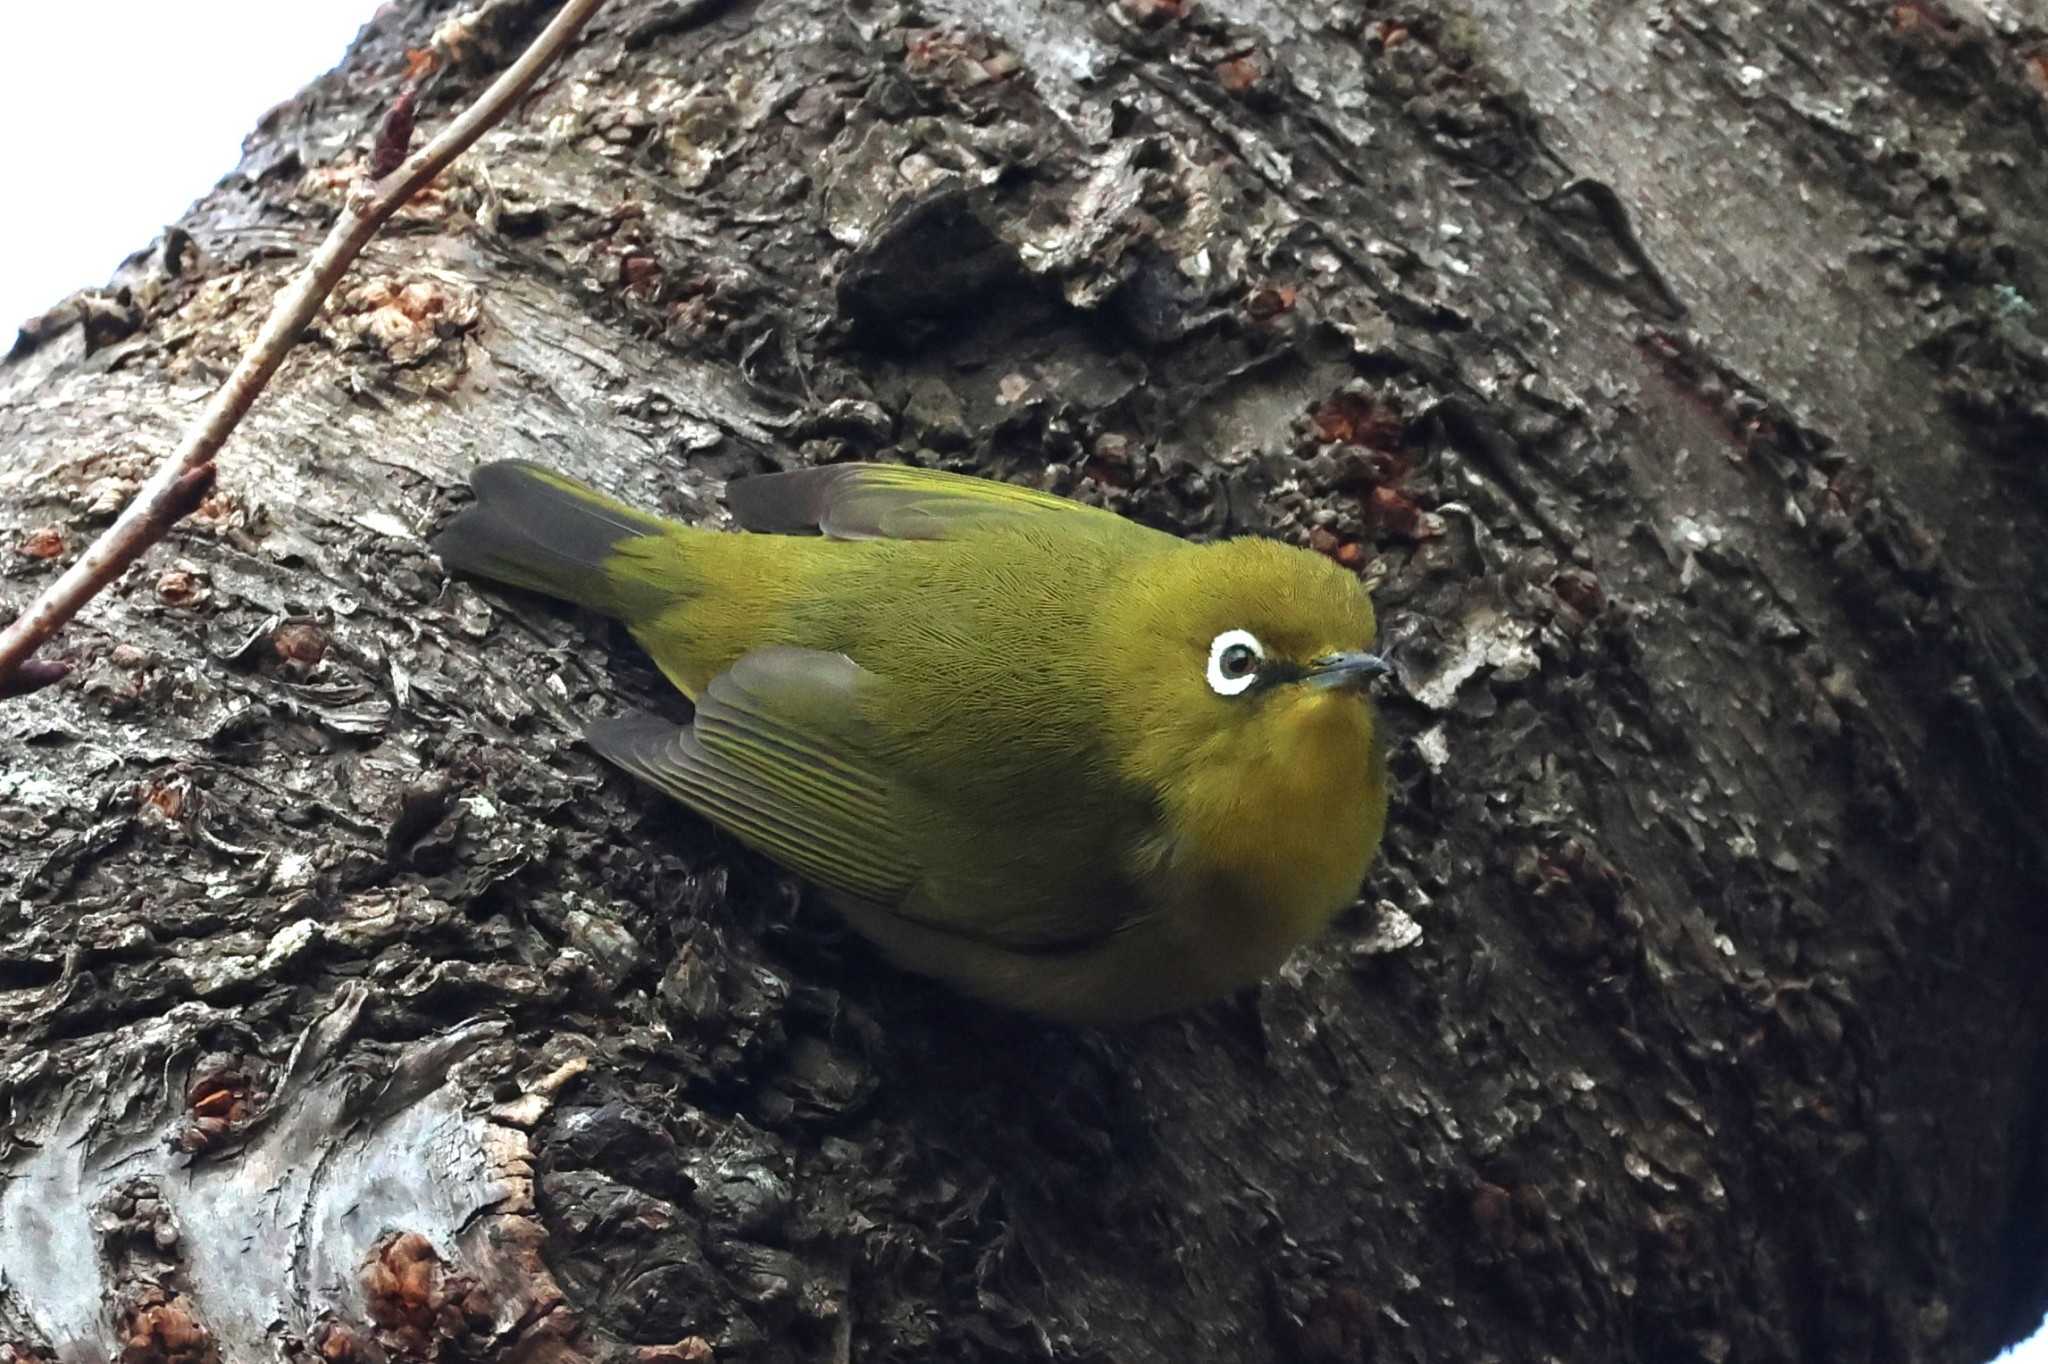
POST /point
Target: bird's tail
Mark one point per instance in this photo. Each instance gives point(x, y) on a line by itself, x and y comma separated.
point(533, 528)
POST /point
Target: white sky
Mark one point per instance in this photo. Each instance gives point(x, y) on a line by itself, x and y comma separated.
point(116, 114)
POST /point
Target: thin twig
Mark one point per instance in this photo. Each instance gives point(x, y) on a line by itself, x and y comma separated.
point(168, 495)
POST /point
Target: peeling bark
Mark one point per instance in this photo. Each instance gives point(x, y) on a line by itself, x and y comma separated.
point(1677, 373)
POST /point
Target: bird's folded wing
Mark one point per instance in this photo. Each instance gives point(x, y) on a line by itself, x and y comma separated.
point(779, 755)
point(898, 502)
point(776, 756)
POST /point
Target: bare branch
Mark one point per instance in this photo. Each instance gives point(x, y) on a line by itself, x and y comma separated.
point(34, 675)
point(169, 494)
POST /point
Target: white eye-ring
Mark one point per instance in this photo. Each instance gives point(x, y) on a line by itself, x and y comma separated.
point(1234, 659)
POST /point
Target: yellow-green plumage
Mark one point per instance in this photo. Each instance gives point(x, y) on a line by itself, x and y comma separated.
point(987, 720)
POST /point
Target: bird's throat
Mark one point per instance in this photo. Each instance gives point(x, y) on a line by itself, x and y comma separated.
point(1288, 844)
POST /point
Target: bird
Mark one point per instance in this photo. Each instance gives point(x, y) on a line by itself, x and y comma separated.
point(1060, 761)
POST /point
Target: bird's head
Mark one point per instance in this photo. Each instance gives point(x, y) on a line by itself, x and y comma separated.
point(1246, 666)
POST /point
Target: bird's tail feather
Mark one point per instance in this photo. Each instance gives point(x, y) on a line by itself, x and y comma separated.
point(531, 527)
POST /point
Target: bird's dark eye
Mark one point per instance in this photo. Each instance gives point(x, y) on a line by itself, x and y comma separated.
point(1234, 659)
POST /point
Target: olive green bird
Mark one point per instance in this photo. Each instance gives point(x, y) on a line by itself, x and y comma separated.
point(1056, 759)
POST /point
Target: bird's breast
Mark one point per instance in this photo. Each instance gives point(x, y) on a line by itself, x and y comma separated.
point(1269, 857)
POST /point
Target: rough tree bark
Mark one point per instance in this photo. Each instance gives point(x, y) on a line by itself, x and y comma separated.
point(1677, 371)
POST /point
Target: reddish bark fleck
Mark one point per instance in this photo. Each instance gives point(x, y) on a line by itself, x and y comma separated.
point(299, 641)
point(1352, 418)
point(1154, 13)
point(1239, 74)
point(1270, 301)
point(44, 542)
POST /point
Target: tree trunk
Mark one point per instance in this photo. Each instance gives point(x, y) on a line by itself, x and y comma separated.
point(1676, 371)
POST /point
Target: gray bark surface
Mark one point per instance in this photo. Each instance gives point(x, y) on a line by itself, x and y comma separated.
point(1676, 370)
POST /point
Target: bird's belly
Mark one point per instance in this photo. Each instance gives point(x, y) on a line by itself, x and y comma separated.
point(1215, 938)
point(1249, 917)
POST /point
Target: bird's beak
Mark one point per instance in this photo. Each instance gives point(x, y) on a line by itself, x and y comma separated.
point(1351, 669)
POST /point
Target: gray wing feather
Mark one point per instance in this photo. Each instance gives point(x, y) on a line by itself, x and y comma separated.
point(897, 502)
point(775, 755)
